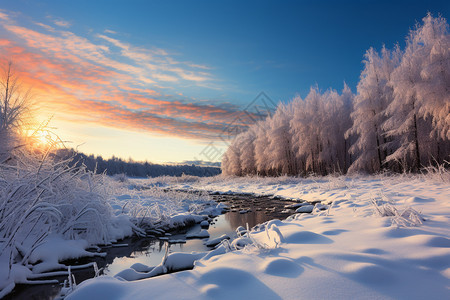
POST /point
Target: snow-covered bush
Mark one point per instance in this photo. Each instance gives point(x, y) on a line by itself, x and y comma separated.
point(148, 204)
point(405, 217)
point(42, 197)
point(438, 173)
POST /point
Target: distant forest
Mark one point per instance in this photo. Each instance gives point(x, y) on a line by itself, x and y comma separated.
point(398, 120)
point(130, 168)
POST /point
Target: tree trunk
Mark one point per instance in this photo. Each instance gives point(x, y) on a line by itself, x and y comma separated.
point(345, 156)
point(438, 158)
point(378, 148)
point(416, 141)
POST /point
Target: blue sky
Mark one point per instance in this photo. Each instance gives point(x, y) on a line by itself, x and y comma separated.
point(203, 53)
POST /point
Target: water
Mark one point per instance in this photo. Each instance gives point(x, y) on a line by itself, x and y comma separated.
point(151, 251)
point(152, 254)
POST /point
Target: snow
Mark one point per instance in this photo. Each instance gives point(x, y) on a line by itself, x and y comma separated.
point(214, 242)
point(83, 211)
point(349, 250)
point(47, 256)
point(185, 219)
point(181, 261)
point(305, 209)
point(202, 234)
point(204, 224)
point(141, 267)
point(241, 242)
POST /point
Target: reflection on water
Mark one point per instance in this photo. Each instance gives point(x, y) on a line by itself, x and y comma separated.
point(153, 254)
point(235, 219)
point(223, 224)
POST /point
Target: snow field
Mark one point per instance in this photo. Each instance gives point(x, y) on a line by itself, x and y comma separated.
point(349, 250)
point(73, 212)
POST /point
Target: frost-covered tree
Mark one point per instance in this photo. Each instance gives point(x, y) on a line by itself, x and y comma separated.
point(14, 105)
point(225, 164)
point(336, 121)
point(261, 150)
point(420, 108)
point(434, 87)
point(318, 128)
point(247, 151)
point(307, 124)
point(281, 156)
point(232, 155)
point(398, 120)
point(373, 96)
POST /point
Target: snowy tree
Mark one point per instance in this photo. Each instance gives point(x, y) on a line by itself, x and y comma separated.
point(231, 159)
point(306, 128)
point(421, 83)
point(225, 164)
point(373, 96)
point(318, 130)
point(398, 120)
point(336, 121)
point(345, 123)
point(434, 87)
point(247, 153)
point(282, 158)
point(261, 151)
point(14, 106)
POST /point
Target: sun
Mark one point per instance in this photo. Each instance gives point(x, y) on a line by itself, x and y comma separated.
point(41, 138)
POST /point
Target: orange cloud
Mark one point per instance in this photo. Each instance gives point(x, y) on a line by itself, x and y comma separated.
point(90, 93)
point(83, 81)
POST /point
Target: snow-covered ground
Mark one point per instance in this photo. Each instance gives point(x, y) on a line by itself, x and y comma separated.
point(371, 237)
point(70, 217)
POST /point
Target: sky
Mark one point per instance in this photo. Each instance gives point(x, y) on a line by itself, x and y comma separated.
point(170, 81)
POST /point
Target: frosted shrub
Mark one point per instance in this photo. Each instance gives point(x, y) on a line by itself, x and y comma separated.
point(402, 218)
point(438, 173)
point(149, 205)
point(121, 177)
point(39, 197)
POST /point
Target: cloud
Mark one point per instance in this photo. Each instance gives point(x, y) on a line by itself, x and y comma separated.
point(107, 81)
point(4, 16)
point(110, 31)
point(80, 88)
point(62, 23)
point(165, 77)
point(158, 60)
point(45, 26)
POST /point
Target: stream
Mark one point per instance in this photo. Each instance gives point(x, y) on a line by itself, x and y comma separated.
point(150, 251)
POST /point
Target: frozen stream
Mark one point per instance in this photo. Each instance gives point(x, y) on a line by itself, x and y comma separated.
point(151, 251)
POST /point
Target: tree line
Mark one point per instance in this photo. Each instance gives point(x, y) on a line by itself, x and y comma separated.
point(398, 120)
point(131, 168)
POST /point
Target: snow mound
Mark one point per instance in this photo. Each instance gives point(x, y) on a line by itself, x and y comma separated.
point(283, 267)
point(305, 209)
point(216, 241)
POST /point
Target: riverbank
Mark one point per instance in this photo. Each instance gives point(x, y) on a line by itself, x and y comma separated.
point(369, 237)
point(112, 210)
point(243, 210)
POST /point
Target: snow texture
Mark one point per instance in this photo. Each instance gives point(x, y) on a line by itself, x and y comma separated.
point(353, 249)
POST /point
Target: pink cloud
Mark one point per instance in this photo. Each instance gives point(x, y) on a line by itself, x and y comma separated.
point(85, 91)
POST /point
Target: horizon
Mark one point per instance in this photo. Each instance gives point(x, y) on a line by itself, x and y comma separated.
point(144, 81)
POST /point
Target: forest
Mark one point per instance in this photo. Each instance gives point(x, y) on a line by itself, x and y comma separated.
point(130, 168)
point(398, 120)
